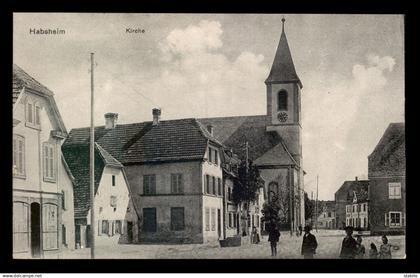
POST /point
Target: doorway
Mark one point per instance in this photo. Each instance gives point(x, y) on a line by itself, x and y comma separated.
point(129, 232)
point(219, 224)
point(36, 230)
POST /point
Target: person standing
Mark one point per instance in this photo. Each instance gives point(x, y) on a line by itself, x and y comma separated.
point(309, 244)
point(385, 249)
point(360, 248)
point(273, 238)
point(348, 247)
point(373, 252)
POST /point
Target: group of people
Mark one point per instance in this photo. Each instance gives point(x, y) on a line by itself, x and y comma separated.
point(350, 249)
point(354, 249)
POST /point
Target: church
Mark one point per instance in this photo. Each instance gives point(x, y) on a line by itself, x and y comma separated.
point(274, 139)
point(175, 167)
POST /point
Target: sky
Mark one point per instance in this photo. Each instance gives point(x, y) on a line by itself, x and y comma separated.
point(210, 65)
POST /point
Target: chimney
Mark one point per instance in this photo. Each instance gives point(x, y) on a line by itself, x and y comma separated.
point(356, 179)
point(210, 129)
point(111, 120)
point(156, 115)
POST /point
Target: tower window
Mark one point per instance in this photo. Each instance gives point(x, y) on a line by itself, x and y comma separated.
point(282, 100)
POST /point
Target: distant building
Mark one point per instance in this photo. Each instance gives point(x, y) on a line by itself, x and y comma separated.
point(326, 218)
point(387, 182)
point(43, 217)
point(115, 214)
point(357, 209)
point(344, 195)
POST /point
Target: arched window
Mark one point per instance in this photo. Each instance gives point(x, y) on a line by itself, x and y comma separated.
point(282, 100)
point(273, 191)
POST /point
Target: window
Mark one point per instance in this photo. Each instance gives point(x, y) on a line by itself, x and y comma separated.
point(216, 157)
point(272, 190)
point(249, 220)
point(20, 227)
point(149, 184)
point(50, 226)
point(213, 219)
point(63, 200)
point(210, 154)
point(207, 180)
point(113, 201)
point(18, 155)
point(29, 112)
point(105, 227)
point(177, 219)
point(207, 219)
point(49, 165)
point(63, 236)
point(213, 179)
point(118, 227)
point(113, 180)
point(177, 185)
point(37, 115)
point(234, 220)
point(282, 100)
point(33, 114)
point(394, 190)
point(149, 220)
point(230, 219)
point(395, 219)
point(329, 214)
point(229, 193)
point(219, 186)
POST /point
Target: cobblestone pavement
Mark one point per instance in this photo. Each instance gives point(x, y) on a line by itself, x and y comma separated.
point(329, 244)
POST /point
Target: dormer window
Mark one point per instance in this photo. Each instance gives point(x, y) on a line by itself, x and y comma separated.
point(33, 114)
point(282, 100)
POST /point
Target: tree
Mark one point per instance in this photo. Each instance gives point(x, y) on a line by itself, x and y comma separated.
point(246, 187)
point(309, 207)
point(271, 210)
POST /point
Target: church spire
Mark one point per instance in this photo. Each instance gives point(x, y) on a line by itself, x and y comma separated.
point(283, 69)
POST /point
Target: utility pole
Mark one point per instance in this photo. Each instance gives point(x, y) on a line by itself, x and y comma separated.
point(316, 205)
point(92, 164)
point(246, 180)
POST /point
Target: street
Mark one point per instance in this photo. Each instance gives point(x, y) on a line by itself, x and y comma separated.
point(329, 244)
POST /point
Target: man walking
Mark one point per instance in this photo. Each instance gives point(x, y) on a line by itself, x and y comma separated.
point(349, 245)
point(273, 238)
point(309, 244)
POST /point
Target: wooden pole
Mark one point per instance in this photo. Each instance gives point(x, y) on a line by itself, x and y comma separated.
point(92, 163)
point(316, 205)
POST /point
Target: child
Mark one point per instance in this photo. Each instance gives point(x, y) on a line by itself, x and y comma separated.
point(385, 249)
point(360, 248)
point(373, 252)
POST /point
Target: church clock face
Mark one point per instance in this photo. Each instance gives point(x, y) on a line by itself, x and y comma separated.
point(282, 116)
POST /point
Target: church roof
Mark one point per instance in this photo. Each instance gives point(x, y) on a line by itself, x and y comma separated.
point(234, 132)
point(283, 68)
point(388, 157)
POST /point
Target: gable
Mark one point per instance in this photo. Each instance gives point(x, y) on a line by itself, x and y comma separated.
point(275, 156)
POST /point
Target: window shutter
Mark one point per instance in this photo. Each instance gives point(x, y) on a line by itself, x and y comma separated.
point(99, 227)
point(403, 219)
point(386, 219)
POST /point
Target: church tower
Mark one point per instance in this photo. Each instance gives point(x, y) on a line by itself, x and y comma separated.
point(284, 118)
point(283, 99)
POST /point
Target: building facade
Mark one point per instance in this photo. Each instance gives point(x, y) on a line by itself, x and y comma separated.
point(115, 215)
point(357, 211)
point(387, 182)
point(42, 186)
point(344, 196)
point(327, 219)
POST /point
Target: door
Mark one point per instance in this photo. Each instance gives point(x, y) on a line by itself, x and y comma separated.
point(130, 232)
point(88, 236)
point(149, 220)
point(36, 230)
point(77, 231)
point(219, 223)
